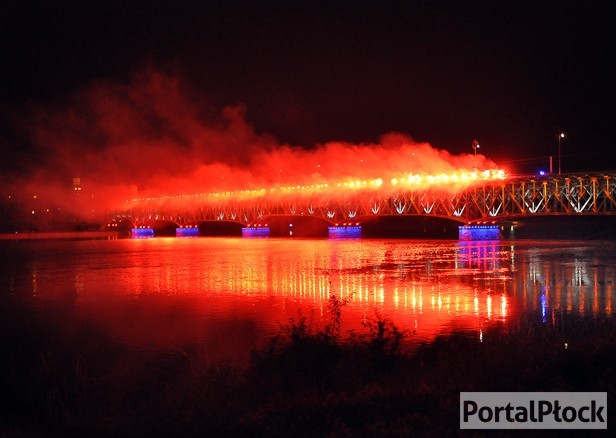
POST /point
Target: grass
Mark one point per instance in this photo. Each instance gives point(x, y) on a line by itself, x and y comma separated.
point(309, 382)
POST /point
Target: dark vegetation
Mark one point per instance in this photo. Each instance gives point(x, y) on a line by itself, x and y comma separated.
point(309, 382)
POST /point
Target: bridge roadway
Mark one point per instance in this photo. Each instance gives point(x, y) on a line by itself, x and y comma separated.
point(512, 197)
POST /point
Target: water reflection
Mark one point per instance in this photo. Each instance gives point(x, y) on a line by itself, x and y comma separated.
point(569, 280)
point(231, 293)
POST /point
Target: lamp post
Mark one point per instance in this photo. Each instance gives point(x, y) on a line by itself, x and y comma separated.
point(561, 135)
point(475, 147)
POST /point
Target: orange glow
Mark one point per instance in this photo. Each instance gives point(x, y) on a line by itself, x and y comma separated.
point(447, 182)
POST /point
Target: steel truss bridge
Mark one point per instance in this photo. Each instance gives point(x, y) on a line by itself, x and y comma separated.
point(513, 197)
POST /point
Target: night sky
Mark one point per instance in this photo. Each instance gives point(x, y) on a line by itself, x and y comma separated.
point(510, 73)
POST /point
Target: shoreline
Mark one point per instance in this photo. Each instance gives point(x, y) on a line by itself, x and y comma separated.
point(60, 235)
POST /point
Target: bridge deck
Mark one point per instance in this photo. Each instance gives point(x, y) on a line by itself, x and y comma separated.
point(512, 197)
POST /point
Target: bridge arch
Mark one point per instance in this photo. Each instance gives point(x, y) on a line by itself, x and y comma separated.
point(298, 225)
point(161, 228)
point(410, 226)
point(219, 227)
point(122, 225)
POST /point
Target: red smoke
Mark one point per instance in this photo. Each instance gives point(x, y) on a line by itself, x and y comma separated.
point(153, 137)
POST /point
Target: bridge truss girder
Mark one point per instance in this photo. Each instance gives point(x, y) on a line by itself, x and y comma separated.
point(570, 195)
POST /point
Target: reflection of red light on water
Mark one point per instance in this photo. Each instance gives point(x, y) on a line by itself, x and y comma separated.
point(175, 298)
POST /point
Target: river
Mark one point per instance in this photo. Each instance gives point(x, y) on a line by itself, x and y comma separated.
point(230, 295)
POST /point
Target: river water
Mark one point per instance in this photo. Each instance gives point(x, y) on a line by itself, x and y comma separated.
point(230, 295)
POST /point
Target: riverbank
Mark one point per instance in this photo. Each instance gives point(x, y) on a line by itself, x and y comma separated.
point(307, 383)
point(60, 235)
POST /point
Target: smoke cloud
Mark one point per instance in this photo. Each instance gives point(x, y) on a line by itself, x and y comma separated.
point(155, 136)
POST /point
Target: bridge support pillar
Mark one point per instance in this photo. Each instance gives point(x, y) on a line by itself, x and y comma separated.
point(255, 231)
point(479, 232)
point(141, 233)
point(187, 232)
point(344, 232)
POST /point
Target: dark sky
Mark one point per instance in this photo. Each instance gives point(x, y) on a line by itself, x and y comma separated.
point(509, 73)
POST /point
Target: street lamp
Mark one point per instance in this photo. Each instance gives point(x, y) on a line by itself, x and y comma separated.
point(561, 135)
point(475, 147)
